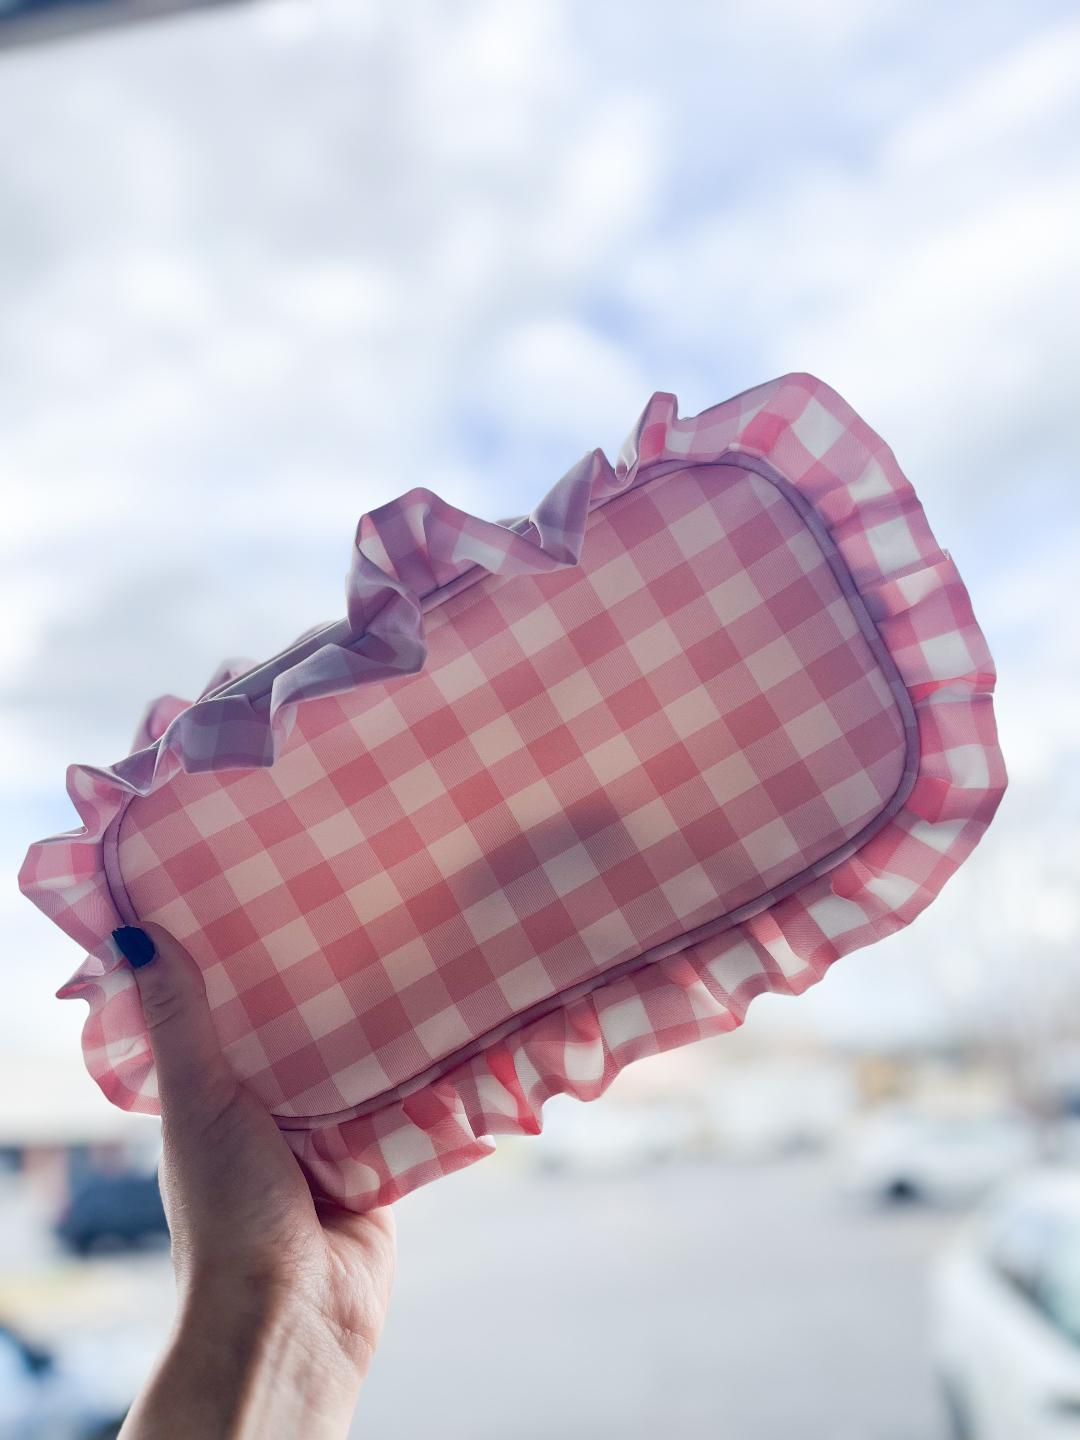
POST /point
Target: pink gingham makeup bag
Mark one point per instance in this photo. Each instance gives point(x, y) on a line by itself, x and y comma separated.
point(558, 793)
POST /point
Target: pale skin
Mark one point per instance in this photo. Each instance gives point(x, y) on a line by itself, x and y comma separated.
point(281, 1297)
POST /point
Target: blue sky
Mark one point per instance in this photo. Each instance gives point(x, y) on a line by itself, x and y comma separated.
point(264, 269)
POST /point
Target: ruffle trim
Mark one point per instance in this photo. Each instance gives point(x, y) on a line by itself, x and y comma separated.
point(406, 554)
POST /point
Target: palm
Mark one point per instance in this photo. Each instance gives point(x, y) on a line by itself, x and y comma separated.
point(242, 1192)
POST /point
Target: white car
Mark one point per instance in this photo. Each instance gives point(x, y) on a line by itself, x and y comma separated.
point(936, 1155)
point(1005, 1303)
point(614, 1138)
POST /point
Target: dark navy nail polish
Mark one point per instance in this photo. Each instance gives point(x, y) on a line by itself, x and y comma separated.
point(135, 945)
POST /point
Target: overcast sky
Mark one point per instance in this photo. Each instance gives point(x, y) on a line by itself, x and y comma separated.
point(264, 269)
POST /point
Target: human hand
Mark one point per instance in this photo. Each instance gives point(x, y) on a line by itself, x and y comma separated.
point(282, 1296)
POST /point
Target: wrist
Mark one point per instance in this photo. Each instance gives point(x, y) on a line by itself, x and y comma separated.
point(250, 1361)
point(279, 1350)
point(278, 1305)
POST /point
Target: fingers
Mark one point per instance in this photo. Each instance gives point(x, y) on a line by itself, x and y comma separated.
point(194, 1079)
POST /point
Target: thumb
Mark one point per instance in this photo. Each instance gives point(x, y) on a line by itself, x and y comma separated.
point(194, 1078)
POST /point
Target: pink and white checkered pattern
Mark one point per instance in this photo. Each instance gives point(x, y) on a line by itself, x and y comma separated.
point(561, 793)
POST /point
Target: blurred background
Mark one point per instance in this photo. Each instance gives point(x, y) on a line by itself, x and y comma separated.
point(265, 266)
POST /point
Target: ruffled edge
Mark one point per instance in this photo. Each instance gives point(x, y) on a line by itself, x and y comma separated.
point(408, 555)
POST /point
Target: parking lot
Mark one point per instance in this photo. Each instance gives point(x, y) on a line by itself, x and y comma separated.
point(713, 1300)
point(692, 1300)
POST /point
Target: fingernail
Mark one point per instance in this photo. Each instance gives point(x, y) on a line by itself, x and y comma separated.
point(135, 945)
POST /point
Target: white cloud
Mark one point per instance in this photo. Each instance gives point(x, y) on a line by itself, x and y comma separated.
point(554, 374)
point(1002, 106)
point(933, 282)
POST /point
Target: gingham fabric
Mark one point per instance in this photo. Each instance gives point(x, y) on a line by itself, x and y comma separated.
point(561, 792)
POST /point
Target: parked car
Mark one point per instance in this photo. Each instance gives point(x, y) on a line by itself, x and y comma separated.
point(1005, 1304)
point(113, 1212)
point(616, 1138)
point(937, 1156)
